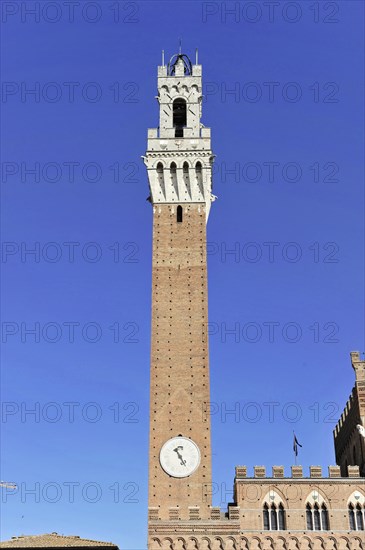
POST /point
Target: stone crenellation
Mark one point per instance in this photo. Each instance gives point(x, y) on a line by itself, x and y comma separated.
point(346, 412)
point(178, 514)
point(296, 472)
point(349, 445)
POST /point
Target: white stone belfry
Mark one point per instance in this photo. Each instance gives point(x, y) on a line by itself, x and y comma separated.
point(179, 157)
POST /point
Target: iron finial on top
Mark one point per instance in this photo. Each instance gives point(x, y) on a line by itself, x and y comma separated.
point(180, 57)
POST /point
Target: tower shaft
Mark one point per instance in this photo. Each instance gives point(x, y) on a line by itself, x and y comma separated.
point(179, 354)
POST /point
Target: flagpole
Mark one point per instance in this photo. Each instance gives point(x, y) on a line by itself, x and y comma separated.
point(295, 455)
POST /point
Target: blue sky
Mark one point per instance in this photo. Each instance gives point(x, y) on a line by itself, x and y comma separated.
point(292, 211)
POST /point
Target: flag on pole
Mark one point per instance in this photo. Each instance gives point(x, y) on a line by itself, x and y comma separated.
point(296, 444)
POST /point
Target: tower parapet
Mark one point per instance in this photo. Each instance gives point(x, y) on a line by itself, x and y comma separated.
point(259, 472)
point(179, 157)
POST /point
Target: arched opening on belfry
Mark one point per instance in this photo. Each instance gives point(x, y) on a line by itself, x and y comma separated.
point(179, 116)
point(186, 175)
point(199, 174)
point(173, 175)
point(160, 175)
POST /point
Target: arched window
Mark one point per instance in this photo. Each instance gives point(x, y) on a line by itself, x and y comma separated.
point(359, 517)
point(309, 517)
point(273, 513)
point(173, 175)
point(198, 172)
point(179, 116)
point(324, 518)
point(179, 214)
point(356, 511)
point(274, 517)
point(356, 517)
point(352, 520)
point(186, 177)
point(199, 176)
point(281, 515)
point(266, 517)
point(159, 171)
point(317, 517)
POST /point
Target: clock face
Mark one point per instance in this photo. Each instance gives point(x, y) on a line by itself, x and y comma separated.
point(180, 457)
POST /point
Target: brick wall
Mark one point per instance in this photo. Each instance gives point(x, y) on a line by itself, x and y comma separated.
point(179, 354)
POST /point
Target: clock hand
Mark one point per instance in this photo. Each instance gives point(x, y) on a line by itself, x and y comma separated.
point(182, 461)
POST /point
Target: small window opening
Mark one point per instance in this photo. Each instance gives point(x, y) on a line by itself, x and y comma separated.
point(179, 214)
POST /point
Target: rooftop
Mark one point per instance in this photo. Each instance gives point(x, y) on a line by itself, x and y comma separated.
point(54, 540)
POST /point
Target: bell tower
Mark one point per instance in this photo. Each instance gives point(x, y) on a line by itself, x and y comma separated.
point(179, 165)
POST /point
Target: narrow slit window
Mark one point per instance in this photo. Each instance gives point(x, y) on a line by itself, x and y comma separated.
point(179, 214)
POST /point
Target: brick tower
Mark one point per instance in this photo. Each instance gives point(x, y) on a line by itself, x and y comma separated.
point(179, 161)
